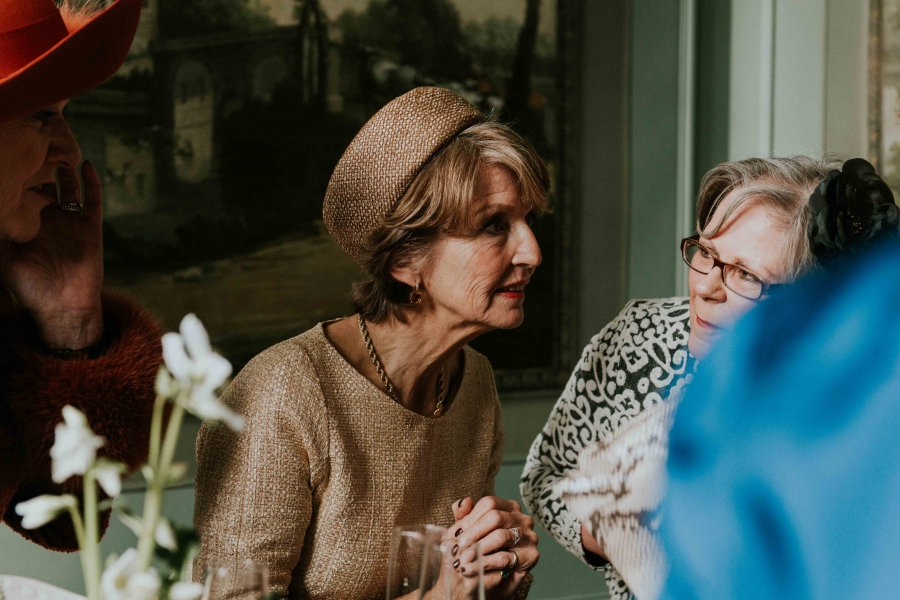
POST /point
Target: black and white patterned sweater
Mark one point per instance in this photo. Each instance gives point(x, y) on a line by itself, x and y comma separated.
point(639, 359)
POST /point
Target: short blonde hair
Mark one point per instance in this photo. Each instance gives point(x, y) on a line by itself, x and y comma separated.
point(439, 201)
point(782, 185)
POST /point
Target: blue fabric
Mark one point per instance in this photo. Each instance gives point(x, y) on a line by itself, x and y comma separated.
point(785, 454)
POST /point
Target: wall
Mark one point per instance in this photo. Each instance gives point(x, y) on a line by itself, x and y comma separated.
point(799, 78)
point(653, 152)
point(602, 147)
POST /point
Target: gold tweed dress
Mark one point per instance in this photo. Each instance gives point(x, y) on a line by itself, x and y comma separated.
point(328, 464)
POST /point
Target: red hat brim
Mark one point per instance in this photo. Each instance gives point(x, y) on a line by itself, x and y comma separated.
point(83, 59)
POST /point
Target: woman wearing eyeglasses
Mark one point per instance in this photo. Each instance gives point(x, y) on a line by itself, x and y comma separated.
point(757, 228)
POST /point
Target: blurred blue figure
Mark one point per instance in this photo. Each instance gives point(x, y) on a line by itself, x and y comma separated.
point(785, 454)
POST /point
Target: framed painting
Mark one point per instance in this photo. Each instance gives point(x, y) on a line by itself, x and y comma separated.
point(217, 138)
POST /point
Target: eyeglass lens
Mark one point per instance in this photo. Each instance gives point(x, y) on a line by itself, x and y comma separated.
point(735, 278)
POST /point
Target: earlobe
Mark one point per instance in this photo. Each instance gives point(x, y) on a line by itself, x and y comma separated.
point(406, 275)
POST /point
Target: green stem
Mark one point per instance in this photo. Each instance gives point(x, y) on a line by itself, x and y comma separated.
point(146, 542)
point(78, 524)
point(156, 431)
point(90, 538)
point(153, 503)
point(172, 432)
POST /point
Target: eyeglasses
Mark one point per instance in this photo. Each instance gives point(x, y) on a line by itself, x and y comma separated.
point(740, 281)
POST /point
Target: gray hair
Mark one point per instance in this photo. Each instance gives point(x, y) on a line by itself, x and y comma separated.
point(780, 184)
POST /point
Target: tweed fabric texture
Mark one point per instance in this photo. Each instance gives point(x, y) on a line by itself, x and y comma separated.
point(328, 464)
point(384, 158)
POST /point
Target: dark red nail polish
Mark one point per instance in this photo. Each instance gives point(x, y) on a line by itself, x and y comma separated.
point(458, 531)
point(456, 564)
point(460, 503)
point(463, 570)
point(455, 549)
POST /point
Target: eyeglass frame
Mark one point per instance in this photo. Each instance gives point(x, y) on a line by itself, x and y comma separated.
point(694, 240)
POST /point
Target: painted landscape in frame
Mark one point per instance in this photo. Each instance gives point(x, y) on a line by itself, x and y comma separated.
point(216, 139)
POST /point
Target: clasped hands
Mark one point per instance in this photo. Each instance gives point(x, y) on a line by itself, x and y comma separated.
point(492, 522)
point(57, 276)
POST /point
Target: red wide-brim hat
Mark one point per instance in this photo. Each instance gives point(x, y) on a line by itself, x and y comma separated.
point(44, 59)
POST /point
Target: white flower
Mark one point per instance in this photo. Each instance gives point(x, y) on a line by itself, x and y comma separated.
point(164, 535)
point(190, 359)
point(109, 475)
point(185, 590)
point(165, 385)
point(76, 445)
point(122, 581)
point(43, 509)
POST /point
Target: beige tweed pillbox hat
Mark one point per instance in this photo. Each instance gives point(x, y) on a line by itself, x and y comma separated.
point(384, 158)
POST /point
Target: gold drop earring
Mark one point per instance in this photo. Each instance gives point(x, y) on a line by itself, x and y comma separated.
point(415, 296)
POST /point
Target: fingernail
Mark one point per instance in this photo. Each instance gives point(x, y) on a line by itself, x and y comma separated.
point(458, 531)
point(463, 570)
point(455, 549)
point(455, 562)
point(460, 503)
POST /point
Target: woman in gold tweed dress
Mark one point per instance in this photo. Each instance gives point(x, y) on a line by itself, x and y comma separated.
point(388, 417)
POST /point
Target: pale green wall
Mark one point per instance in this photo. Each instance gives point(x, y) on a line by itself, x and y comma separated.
point(653, 136)
point(799, 77)
point(712, 86)
point(846, 77)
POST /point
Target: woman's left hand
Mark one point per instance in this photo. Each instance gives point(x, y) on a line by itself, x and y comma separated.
point(490, 522)
point(58, 275)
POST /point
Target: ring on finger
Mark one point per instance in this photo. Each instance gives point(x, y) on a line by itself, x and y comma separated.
point(515, 531)
point(73, 207)
point(506, 572)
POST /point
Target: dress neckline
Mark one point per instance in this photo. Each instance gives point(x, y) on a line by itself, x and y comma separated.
point(382, 395)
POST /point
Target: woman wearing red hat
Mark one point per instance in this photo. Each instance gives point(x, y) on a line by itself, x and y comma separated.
point(61, 340)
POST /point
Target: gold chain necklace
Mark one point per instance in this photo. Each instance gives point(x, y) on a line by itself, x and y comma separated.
point(388, 386)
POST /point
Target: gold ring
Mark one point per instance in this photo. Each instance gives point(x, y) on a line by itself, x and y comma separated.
point(507, 571)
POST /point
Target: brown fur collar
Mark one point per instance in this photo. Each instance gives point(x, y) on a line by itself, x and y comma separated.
point(115, 391)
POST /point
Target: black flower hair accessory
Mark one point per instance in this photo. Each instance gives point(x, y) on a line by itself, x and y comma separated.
point(852, 209)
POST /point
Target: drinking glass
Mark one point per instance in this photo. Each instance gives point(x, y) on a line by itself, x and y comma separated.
point(408, 543)
point(235, 580)
point(451, 571)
